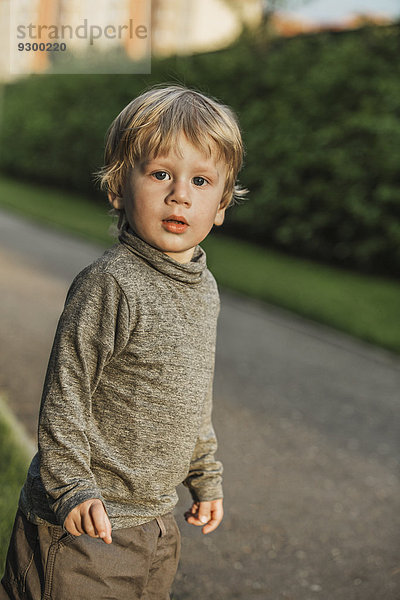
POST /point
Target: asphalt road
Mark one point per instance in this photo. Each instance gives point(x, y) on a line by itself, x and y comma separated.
point(308, 425)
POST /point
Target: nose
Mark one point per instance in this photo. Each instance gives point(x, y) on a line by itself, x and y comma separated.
point(180, 193)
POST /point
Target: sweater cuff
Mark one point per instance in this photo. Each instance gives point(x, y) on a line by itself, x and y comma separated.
point(207, 495)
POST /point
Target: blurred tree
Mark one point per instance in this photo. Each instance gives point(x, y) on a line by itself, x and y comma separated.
point(267, 9)
point(320, 115)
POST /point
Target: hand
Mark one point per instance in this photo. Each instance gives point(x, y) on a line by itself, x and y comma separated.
point(210, 513)
point(89, 517)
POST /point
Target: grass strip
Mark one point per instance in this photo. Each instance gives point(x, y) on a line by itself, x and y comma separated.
point(57, 208)
point(364, 306)
point(16, 450)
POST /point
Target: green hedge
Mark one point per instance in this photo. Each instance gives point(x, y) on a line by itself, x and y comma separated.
point(321, 121)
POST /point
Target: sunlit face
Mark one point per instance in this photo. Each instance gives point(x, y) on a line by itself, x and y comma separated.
point(172, 201)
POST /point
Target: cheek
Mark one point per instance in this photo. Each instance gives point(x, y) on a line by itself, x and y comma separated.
point(208, 217)
point(141, 204)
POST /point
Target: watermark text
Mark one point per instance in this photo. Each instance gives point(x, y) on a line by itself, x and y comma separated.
point(84, 31)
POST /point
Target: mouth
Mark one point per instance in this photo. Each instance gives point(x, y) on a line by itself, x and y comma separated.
point(175, 224)
point(176, 219)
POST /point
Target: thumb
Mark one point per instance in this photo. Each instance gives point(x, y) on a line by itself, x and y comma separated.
point(204, 512)
point(101, 522)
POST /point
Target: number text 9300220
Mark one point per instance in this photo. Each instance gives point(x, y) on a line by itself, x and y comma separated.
point(42, 47)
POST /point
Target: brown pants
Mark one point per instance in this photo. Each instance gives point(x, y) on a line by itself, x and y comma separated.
point(46, 563)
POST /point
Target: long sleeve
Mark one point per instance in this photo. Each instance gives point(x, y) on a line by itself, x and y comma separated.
point(124, 416)
point(93, 327)
point(204, 479)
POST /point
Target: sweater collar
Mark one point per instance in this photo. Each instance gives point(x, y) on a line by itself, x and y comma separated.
point(191, 272)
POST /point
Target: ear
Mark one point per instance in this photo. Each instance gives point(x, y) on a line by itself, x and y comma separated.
point(220, 216)
point(116, 202)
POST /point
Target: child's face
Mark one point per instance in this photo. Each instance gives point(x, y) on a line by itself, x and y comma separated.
point(173, 201)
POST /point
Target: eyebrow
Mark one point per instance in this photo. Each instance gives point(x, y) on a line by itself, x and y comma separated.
point(163, 160)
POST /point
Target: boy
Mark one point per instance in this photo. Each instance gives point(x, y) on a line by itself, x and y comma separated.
point(126, 407)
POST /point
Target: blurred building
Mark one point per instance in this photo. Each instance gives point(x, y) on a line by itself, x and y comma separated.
point(175, 26)
point(72, 19)
point(288, 25)
point(187, 26)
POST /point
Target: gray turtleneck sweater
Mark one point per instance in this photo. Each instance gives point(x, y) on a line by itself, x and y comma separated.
point(126, 407)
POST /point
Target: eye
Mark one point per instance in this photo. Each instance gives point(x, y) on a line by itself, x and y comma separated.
point(199, 181)
point(161, 175)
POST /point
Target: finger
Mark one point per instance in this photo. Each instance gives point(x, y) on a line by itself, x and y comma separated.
point(211, 526)
point(88, 525)
point(216, 518)
point(204, 512)
point(199, 514)
point(101, 522)
point(192, 510)
point(191, 515)
point(69, 526)
point(194, 521)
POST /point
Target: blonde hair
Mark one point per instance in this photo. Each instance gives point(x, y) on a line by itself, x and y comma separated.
point(149, 126)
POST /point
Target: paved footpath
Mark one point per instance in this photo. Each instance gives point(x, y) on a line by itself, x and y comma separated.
point(308, 424)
